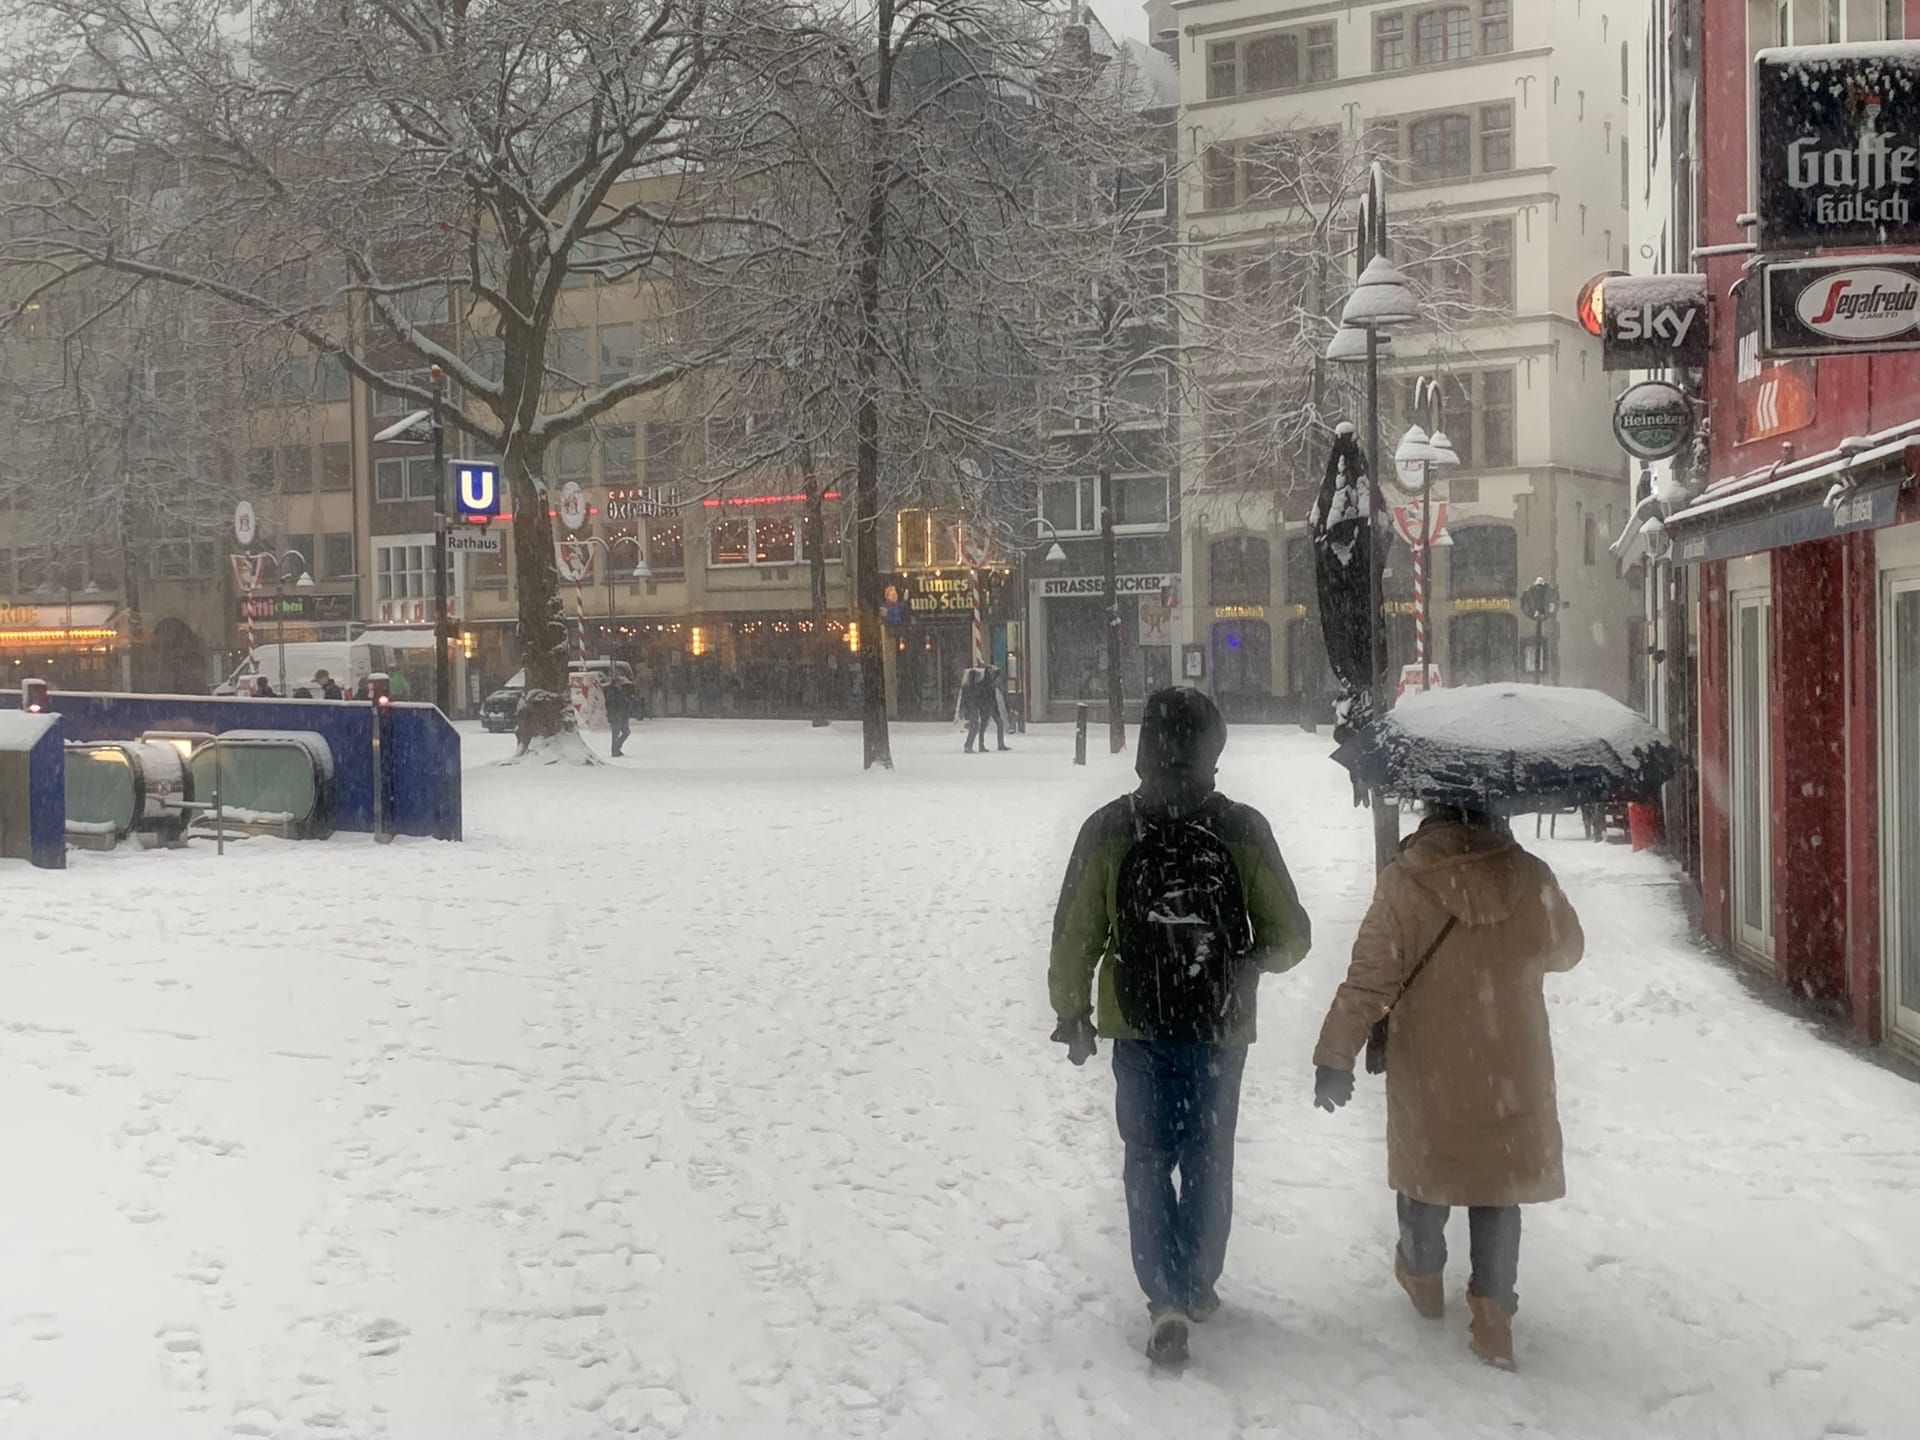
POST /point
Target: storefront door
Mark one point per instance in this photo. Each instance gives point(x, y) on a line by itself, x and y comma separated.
point(1751, 777)
point(1900, 797)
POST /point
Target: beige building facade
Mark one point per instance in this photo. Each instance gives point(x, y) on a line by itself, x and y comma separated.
point(1506, 130)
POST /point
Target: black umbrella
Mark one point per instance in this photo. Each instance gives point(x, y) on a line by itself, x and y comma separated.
point(1342, 564)
point(1513, 749)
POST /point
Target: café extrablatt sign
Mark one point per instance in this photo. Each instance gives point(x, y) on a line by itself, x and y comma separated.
point(1837, 145)
point(1839, 306)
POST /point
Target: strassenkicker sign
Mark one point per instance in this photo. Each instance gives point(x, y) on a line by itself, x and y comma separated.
point(1060, 586)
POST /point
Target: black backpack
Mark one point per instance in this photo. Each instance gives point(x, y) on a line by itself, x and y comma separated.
point(1184, 931)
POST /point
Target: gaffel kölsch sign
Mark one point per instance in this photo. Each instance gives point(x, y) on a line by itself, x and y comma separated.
point(1837, 141)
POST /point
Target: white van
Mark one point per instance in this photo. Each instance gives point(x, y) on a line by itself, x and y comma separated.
point(347, 661)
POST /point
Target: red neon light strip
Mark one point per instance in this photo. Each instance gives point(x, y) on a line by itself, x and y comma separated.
point(714, 504)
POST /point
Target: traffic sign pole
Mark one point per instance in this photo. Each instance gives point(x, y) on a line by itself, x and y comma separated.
point(442, 636)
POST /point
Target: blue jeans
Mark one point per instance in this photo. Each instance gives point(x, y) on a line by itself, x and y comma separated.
point(1178, 1106)
point(1493, 1232)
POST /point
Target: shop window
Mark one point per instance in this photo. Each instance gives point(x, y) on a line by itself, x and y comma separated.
point(1484, 562)
point(402, 571)
point(336, 555)
point(1302, 587)
point(665, 549)
point(296, 469)
point(336, 466)
point(774, 542)
point(1442, 35)
point(1068, 506)
point(1309, 673)
point(616, 352)
point(1140, 502)
point(410, 478)
point(488, 570)
point(1442, 147)
point(1240, 571)
point(1485, 648)
point(730, 542)
point(567, 356)
point(573, 457)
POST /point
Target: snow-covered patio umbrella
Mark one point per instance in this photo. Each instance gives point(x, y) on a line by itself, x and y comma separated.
point(1342, 558)
point(1512, 749)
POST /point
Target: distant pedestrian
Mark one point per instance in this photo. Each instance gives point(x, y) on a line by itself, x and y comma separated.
point(397, 686)
point(263, 688)
point(970, 710)
point(1176, 900)
point(620, 707)
point(995, 701)
point(1464, 926)
point(326, 687)
point(642, 690)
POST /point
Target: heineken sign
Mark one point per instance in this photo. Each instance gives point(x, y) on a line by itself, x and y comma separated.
point(1837, 144)
point(1653, 420)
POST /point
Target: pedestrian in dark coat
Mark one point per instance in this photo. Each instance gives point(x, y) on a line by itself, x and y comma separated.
point(972, 707)
point(1471, 1112)
point(996, 708)
point(1177, 1099)
point(327, 686)
point(621, 704)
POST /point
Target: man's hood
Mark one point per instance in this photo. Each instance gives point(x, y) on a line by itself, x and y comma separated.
point(1475, 873)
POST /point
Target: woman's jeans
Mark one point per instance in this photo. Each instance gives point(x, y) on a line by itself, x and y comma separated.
point(1494, 1234)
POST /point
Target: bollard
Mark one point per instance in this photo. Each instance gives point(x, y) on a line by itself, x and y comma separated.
point(1080, 734)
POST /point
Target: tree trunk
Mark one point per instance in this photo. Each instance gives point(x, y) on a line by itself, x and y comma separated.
point(822, 644)
point(1110, 589)
point(544, 709)
point(876, 745)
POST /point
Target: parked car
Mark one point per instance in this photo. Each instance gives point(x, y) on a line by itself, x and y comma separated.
point(500, 711)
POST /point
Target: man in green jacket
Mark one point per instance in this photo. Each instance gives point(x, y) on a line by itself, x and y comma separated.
point(1175, 900)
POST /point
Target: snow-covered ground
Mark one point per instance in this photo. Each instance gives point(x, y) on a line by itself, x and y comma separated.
point(708, 1094)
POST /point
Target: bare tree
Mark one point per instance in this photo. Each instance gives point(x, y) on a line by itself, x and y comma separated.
point(431, 170)
point(899, 258)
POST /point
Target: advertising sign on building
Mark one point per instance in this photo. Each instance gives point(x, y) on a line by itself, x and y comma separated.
point(1056, 587)
point(1647, 322)
point(476, 489)
point(475, 542)
point(1837, 145)
point(1771, 397)
point(1840, 306)
point(1653, 420)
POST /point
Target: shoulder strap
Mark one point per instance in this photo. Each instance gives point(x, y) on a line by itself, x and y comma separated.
point(1414, 974)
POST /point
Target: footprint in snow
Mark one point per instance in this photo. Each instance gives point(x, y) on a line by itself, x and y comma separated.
point(382, 1337)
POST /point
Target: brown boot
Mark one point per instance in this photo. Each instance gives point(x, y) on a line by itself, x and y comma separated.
point(1428, 1292)
point(1492, 1332)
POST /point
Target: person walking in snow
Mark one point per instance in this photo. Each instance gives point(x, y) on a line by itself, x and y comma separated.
point(326, 686)
point(1176, 899)
point(971, 708)
point(1464, 926)
point(621, 704)
point(995, 699)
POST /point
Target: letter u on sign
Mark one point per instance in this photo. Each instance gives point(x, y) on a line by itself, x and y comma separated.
point(476, 490)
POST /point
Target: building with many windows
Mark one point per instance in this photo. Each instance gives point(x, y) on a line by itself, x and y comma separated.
point(1508, 154)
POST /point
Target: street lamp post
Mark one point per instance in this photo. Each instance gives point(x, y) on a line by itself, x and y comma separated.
point(1055, 555)
point(442, 626)
point(1381, 299)
point(305, 582)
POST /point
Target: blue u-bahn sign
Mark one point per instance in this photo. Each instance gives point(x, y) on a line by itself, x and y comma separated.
point(476, 490)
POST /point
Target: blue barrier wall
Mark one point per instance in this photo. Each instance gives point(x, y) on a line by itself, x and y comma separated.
point(420, 749)
point(31, 748)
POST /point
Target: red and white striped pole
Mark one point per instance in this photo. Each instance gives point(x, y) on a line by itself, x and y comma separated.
point(1420, 611)
point(979, 623)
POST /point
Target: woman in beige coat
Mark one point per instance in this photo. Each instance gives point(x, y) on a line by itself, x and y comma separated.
point(1471, 1118)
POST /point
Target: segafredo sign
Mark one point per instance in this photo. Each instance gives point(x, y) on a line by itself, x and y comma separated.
point(1841, 306)
point(1837, 145)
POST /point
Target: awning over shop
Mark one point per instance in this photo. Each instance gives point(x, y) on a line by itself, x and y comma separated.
point(1855, 488)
